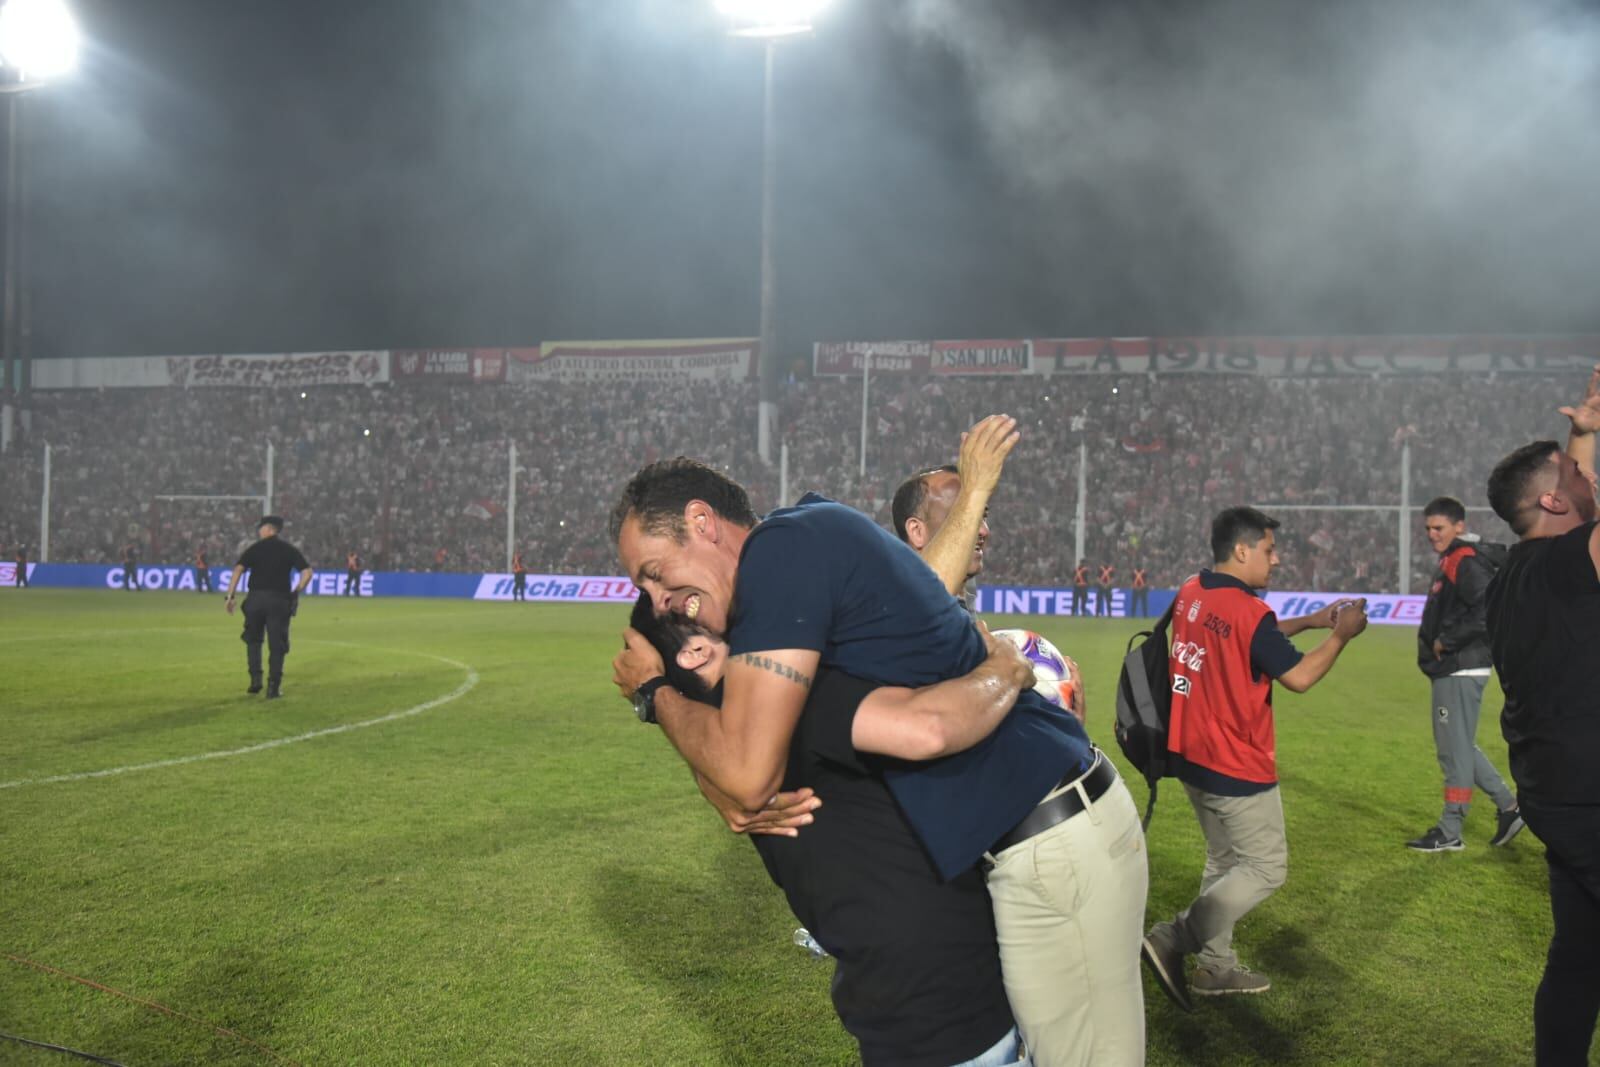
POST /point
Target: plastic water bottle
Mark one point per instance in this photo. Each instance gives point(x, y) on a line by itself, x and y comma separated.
point(803, 938)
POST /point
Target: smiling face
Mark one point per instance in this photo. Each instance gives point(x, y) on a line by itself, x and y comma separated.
point(691, 578)
point(941, 489)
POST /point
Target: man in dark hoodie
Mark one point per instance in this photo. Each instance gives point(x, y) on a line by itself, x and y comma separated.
point(1453, 651)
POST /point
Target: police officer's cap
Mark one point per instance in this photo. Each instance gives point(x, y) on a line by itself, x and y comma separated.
point(274, 521)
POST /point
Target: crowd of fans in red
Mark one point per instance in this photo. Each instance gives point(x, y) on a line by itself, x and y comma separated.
point(415, 477)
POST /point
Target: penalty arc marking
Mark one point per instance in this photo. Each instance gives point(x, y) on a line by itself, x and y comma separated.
point(459, 691)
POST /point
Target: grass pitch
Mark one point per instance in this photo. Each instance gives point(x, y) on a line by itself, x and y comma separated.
point(516, 871)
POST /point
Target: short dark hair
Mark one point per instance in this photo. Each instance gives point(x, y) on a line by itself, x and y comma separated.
point(1513, 477)
point(1446, 507)
point(912, 494)
point(659, 493)
point(669, 635)
point(1234, 525)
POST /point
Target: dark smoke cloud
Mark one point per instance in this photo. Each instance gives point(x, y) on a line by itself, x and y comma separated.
point(1311, 166)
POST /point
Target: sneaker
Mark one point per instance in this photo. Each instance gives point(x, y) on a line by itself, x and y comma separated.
point(1508, 824)
point(255, 686)
point(1165, 960)
point(1435, 841)
point(1237, 979)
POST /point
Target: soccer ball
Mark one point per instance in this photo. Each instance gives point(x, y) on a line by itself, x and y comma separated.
point(1055, 676)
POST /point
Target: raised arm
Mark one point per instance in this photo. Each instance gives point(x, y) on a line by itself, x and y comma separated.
point(1349, 620)
point(937, 720)
point(1317, 620)
point(984, 449)
point(1585, 418)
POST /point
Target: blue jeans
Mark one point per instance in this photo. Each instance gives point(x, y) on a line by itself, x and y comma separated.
point(1007, 1052)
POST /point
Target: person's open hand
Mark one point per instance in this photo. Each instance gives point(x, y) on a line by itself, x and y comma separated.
point(1585, 415)
point(984, 449)
point(1007, 659)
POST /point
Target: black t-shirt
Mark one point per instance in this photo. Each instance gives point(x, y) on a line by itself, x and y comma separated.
point(272, 563)
point(1544, 627)
point(917, 978)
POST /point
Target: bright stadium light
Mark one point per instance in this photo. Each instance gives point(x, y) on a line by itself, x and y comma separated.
point(38, 41)
point(38, 38)
point(772, 21)
point(770, 18)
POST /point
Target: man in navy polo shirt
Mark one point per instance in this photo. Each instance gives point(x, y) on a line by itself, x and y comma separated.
point(819, 584)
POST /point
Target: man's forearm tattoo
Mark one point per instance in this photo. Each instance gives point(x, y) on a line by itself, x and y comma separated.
point(783, 670)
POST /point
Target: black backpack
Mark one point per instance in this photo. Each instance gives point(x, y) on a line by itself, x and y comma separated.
point(1144, 704)
point(1492, 555)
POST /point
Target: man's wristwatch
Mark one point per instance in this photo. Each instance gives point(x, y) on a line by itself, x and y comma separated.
point(644, 698)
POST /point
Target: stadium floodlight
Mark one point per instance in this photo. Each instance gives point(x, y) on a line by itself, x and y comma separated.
point(772, 21)
point(770, 18)
point(38, 39)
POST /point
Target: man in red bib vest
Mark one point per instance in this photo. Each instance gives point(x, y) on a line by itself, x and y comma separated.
point(1227, 648)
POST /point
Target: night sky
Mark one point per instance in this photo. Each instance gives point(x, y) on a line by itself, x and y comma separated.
point(243, 176)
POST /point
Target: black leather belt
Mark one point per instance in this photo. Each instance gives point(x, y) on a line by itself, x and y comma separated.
point(1061, 807)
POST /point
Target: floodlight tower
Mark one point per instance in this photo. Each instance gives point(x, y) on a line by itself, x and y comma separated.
point(770, 21)
point(38, 43)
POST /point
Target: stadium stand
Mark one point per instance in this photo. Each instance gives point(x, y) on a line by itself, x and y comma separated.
point(415, 477)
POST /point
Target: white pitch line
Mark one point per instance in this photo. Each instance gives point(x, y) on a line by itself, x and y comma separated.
point(459, 691)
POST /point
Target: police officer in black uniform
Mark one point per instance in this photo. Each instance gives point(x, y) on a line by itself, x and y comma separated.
point(274, 594)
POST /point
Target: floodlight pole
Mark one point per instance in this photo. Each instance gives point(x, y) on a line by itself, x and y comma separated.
point(44, 510)
point(767, 408)
point(8, 305)
point(783, 475)
point(511, 501)
point(866, 382)
point(1083, 490)
point(266, 501)
point(1403, 534)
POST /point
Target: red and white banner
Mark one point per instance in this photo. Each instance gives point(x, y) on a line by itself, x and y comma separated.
point(846, 358)
point(1315, 357)
point(275, 370)
point(980, 357)
point(288, 369)
point(716, 359)
point(483, 508)
point(450, 364)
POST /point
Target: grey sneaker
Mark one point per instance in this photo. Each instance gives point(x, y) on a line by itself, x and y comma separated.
point(1161, 953)
point(1508, 824)
point(1435, 841)
point(1240, 979)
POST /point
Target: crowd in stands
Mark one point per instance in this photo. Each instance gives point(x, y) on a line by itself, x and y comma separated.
point(414, 477)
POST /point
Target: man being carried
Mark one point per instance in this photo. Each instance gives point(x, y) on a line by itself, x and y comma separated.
point(1453, 651)
point(1227, 647)
point(820, 585)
